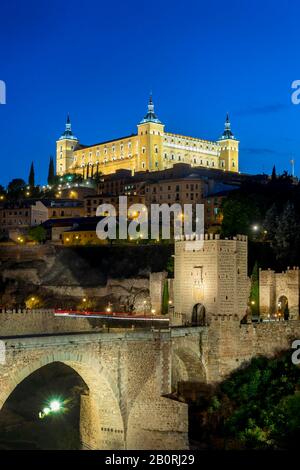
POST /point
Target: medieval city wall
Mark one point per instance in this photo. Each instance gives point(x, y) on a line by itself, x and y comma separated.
point(273, 285)
point(231, 345)
point(31, 322)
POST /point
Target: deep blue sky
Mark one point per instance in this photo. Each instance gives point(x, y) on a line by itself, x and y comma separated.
point(98, 60)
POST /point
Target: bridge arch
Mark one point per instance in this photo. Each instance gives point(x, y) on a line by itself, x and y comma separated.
point(187, 366)
point(101, 423)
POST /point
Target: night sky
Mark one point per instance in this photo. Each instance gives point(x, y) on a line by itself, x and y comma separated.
point(99, 60)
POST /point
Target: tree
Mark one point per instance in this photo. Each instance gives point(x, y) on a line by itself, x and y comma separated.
point(239, 213)
point(170, 266)
point(274, 176)
point(261, 403)
point(97, 178)
point(271, 222)
point(2, 191)
point(71, 178)
point(37, 234)
point(287, 235)
point(165, 298)
point(16, 187)
point(31, 176)
point(51, 172)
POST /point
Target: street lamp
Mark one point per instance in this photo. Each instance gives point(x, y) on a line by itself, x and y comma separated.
point(54, 406)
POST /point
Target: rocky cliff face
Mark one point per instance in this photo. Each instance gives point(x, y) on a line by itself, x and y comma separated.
point(50, 276)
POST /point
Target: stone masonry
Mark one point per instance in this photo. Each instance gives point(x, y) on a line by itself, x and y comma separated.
point(272, 286)
point(214, 275)
point(128, 376)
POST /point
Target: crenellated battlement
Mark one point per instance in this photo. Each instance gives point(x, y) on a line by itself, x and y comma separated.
point(228, 318)
point(209, 237)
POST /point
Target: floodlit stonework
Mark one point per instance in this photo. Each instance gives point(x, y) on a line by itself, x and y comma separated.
point(128, 376)
point(213, 277)
point(276, 288)
point(135, 378)
point(151, 148)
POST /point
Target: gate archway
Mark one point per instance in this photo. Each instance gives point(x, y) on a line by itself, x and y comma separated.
point(198, 315)
point(283, 307)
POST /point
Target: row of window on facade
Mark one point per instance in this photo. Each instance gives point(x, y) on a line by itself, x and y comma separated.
point(16, 222)
point(189, 196)
point(105, 149)
point(202, 145)
point(191, 186)
point(166, 156)
point(25, 214)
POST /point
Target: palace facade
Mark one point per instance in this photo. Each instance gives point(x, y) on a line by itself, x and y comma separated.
point(151, 148)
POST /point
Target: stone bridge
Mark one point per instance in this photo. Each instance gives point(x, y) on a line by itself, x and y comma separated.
point(128, 376)
point(131, 376)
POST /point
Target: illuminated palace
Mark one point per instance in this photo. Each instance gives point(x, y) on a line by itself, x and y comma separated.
point(151, 148)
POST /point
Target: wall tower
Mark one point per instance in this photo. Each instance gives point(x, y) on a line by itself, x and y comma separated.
point(65, 147)
point(150, 132)
point(229, 149)
point(212, 276)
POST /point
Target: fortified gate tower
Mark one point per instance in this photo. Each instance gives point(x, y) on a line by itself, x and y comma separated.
point(211, 278)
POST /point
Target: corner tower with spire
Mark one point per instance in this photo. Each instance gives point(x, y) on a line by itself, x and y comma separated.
point(150, 133)
point(229, 149)
point(65, 147)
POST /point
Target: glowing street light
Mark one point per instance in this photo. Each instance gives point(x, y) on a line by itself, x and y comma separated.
point(255, 228)
point(55, 406)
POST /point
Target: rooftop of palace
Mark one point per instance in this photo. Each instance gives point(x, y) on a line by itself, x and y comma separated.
point(82, 146)
point(186, 137)
point(126, 137)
